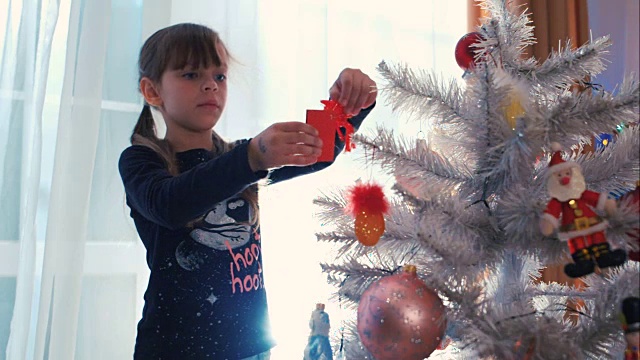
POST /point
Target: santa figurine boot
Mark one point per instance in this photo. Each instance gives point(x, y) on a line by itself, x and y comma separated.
point(605, 257)
point(583, 264)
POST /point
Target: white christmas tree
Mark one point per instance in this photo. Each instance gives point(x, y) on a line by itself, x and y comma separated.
point(467, 204)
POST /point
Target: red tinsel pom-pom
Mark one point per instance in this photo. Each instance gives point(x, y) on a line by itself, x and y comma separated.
point(366, 197)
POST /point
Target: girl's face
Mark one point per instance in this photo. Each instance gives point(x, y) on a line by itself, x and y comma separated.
point(192, 99)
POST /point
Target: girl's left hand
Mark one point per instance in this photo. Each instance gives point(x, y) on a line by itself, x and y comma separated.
point(354, 90)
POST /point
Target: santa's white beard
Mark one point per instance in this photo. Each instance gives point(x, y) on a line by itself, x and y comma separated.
point(573, 190)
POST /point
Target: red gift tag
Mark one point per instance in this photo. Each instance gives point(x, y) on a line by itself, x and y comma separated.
point(322, 121)
point(329, 121)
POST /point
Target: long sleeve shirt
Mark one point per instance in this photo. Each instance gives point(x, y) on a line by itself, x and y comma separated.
point(206, 297)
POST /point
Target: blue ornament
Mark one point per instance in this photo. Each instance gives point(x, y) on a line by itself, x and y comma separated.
point(603, 140)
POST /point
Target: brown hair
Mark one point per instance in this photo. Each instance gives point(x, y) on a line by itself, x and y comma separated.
point(171, 48)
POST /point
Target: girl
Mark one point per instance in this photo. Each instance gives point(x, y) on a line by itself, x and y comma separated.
point(193, 198)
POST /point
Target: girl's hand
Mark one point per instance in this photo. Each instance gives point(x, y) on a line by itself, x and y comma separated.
point(354, 90)
point(286, 143)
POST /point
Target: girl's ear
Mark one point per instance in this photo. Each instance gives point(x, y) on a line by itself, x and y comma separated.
point(150, 92)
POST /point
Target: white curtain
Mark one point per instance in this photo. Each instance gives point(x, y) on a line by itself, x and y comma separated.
point(25, 41)
point(72, 270)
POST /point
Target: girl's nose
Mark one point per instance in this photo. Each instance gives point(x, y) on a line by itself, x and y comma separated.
point(210, 85)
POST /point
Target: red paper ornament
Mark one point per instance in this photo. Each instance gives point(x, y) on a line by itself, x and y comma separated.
point(331, 121)
point(337, 113)
point(634, 198)
point(465, 51)
point(367, 204)
point(400, 318)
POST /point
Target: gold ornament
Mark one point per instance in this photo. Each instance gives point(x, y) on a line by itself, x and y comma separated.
point(517, 96)
point(369, 227)
point(513, 110)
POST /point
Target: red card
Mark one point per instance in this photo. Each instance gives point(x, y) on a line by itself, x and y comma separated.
point(326, 126)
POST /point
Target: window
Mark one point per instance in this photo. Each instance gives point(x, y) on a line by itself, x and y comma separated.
point(289, 54)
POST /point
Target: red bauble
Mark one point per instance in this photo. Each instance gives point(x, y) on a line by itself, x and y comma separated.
point(400, 318)
point(634, 198)
point(465, 51)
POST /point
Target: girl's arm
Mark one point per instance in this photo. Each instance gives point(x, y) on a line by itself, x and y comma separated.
point(173, 201)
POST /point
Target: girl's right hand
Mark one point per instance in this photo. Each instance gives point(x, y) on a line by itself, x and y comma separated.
point(286, 143)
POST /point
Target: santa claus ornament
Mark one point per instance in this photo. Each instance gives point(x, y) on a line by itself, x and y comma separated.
point(400, 318)
point(571, 212)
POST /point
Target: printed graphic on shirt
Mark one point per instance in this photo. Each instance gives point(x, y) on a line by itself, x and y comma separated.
point(244, 276)
point(223, 225)
point(225, 229)
point(222, 228)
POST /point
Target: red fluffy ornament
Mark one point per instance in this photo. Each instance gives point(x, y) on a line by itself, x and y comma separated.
point(400, 318)
point(633, 197)
point(465, 51)
point(368, 205)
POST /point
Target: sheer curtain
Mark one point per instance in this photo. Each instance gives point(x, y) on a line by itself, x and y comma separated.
point(72, 270)
point(25, 41)
point(23, 66)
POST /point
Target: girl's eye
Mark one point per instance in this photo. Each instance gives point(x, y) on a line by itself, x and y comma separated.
point(190, 75)
point(221, 77)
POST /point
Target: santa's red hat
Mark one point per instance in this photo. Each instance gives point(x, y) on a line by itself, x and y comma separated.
point(557, 163)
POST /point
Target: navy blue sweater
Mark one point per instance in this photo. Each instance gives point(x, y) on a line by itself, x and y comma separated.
point(206, 297)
